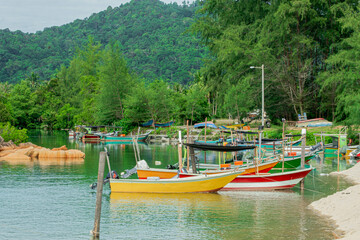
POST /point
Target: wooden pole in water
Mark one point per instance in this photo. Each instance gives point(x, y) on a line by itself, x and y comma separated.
point(338, 154)
point(205, 138)
point(193, 162)
point(303, 143)
point(180, 152)
point(188, 149)
point(100, 184)
point(283, 146)
point(108, 162)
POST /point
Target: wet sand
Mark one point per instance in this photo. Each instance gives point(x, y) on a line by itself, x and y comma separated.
point(344, 207)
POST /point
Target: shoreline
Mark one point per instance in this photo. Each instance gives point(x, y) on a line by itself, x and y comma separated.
point(343, 207)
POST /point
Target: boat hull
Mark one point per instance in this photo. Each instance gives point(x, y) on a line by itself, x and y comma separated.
point(292, 162)
point(124, 139)
point(196, 184)
point(274, 181)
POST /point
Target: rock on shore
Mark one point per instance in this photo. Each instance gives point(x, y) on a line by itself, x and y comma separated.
point(27, 151)
point(344, 207)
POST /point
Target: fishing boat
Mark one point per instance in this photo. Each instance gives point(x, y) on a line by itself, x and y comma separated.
point(123, 138)
point(72, 134)
point(293, 162)
point(144, 173)
point(147, 124)
point(208, 125)
point(91, 137)
point(234, 126)
point(150, 123)
point(296, 150)
point(315, 122)
point(167, 124)
point(338, 141)
point(272, 181)
point(195, 184)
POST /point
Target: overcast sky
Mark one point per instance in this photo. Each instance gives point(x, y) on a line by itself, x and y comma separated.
point(35, 15)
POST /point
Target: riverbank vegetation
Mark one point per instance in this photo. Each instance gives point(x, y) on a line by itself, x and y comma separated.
point(310, 50)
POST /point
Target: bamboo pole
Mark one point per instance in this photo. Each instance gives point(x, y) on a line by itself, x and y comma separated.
point(108, 161)
point(135, 152)
point(283, 146)
point(205, 138)
point(338, 154)
point(193, 162)
point(303, 143)
point(96, 231)
point(188, 150)
point(180, 152)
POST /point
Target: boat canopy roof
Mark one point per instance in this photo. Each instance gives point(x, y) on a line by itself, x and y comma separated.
point(219, 148)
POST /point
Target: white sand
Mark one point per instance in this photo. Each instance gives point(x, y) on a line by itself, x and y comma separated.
point(344, 207)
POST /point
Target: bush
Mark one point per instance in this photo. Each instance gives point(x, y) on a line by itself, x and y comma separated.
point(9, 132)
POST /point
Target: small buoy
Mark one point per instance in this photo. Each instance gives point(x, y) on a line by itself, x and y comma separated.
point(157, 163)
point(324, 174)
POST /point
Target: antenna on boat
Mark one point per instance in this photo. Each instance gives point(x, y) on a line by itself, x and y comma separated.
point(108, 161)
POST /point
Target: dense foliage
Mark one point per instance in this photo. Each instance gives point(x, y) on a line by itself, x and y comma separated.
point(151, 35)
point(310, 50)
point(8, 132)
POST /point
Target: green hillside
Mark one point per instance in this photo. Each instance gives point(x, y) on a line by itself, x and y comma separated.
point(151, 34)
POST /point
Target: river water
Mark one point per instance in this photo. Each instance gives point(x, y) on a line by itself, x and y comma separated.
point(52, 200)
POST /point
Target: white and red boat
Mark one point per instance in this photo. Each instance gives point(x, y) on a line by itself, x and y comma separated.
point(271, 181)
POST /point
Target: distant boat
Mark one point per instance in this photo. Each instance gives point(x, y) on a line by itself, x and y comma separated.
point(72, 134)
point(90, 137)
point(197, 184)
point(167, 124)
point(140, 138)
point(315, 122)
point(208, 125)
point(234, 126)
point(150, 123)
point(147, 124)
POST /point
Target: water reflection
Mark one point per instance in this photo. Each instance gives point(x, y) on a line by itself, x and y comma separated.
point(53, 201)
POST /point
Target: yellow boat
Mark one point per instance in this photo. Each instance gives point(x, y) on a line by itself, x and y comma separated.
point(235, 126)
point(196, 184)
point(170, 173)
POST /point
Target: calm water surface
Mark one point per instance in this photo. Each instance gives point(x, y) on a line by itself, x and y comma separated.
point(52, 200)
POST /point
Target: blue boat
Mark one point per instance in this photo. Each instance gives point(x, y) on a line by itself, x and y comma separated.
point(147, 124)
point(167, 124)
point(150, 123)
point(208, 125)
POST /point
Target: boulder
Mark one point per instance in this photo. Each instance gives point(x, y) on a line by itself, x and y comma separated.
point(60, 148)
point(27, 151)
point(28, 144)
point(15, 156)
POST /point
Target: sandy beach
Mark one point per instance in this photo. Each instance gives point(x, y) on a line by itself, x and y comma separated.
point(344, 206)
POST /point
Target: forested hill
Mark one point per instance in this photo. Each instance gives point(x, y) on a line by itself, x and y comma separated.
point(151, 34)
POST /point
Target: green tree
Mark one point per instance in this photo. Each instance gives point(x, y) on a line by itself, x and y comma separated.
point(136, 104)
point(22, 101)
point(115, 83)
point(196, 103)
point(342, 76)
point(160, 102)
